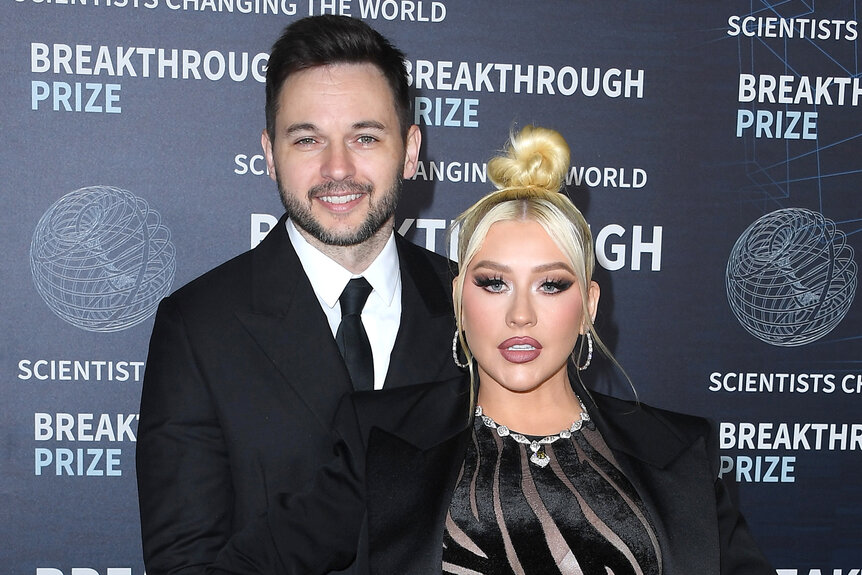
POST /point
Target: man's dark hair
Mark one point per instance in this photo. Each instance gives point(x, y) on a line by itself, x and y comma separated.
point(329, 39)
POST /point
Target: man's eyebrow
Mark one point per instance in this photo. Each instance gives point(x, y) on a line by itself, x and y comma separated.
point(361, 125)
point(301, 127)
point(369, 124)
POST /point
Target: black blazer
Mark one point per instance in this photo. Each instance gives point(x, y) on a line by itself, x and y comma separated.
point(243, 379)
point(398, 460)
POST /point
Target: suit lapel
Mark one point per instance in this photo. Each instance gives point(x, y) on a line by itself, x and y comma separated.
point(420, 353)
point(286, 322)
point(311, 364)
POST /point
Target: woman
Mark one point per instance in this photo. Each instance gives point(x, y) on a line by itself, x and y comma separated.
point(520, 469)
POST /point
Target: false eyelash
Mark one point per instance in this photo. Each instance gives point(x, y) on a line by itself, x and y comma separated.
point(560, 285)
point(486, 281)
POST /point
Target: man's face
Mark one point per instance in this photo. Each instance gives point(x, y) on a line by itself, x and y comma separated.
point(338, 155)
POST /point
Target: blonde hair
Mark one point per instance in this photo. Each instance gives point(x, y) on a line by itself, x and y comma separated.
point(529, 175)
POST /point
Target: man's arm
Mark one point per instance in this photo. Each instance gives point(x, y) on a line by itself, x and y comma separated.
point(313, 532)
point(184, 485)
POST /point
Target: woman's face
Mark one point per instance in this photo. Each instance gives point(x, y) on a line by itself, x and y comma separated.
point(522, 309)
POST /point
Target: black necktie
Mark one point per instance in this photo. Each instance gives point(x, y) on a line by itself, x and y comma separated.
point(351, 337)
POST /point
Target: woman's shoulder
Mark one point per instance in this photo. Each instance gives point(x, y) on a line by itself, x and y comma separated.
point(651, 433)
point(686, 423)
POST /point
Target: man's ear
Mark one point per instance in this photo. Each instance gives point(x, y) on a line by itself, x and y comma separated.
point(411, 151)
point(266, 144)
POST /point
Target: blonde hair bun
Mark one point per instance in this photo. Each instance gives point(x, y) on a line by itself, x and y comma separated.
point(535, 157)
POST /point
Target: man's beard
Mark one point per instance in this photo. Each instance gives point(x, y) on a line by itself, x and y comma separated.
point(379, 212)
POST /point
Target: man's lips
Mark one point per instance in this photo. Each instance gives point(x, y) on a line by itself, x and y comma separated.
point(341, 197)
point(340, 203)
point(520, 349)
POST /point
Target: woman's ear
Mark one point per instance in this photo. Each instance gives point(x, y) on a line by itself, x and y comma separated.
point(593, 294)
point(455, 296)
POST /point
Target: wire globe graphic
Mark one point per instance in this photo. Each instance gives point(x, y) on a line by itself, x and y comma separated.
point(102, 259)
point(791, 277)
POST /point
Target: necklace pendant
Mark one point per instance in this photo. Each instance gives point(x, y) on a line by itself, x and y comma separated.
point(540, 459)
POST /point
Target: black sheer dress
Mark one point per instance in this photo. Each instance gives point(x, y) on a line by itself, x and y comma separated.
point(560, 506)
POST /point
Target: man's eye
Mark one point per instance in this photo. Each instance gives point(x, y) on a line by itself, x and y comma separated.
point(366, 139)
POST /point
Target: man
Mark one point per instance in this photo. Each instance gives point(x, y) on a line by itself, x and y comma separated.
point(244, 373)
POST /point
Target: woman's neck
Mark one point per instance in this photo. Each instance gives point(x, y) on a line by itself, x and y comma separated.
point(545, 410)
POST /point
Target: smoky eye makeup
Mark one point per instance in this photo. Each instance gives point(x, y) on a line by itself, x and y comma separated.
point(552, 286)
point(491, 283)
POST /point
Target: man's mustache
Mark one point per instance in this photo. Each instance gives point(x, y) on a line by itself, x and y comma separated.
point(339, 188)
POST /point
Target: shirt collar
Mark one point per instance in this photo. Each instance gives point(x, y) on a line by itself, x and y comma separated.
point(328, 278)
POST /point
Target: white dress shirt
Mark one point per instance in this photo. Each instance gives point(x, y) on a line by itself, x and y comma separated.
point(381, 315)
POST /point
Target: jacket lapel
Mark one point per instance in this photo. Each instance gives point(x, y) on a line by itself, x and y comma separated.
point(421, 480)
point(421, 352)
point(287, 324)
point(416, 443)
point(671, 473)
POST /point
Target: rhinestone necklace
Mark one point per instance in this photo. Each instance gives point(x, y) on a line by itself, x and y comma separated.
point(537, 446)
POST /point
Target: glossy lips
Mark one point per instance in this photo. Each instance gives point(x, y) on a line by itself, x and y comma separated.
point(520, 349)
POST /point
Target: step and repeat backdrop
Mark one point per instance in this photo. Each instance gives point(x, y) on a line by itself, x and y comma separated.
point(716, 152)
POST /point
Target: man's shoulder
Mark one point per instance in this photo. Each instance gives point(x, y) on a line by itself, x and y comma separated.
point(419, 256)
point(234, 280)
point(223, 281)
point(427, 274)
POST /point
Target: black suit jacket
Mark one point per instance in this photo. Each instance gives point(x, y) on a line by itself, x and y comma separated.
point(398, 460)
point(242, 381)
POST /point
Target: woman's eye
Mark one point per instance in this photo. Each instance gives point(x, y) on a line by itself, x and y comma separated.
point(493, 285)
point(553, 286)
